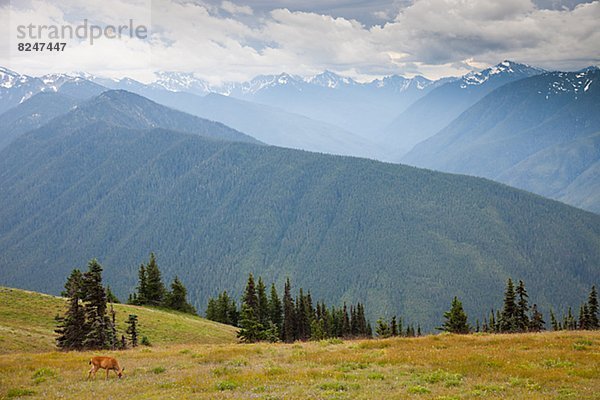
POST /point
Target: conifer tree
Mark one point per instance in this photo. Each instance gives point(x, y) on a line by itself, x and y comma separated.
point(584, 317)
point(251, 330)
point(593, 309)
point(132, 329)
point(176, 298)
point(302, 319)
point(110, 297)
point(289, 317)
point(455, 319)
point(155, 289)
point(275, 308)
point(394, 327)
point(262, 303)
point(142, 288)
point(508, 320)
point(94, 296)
point(521, 316)
point(382, 329)
point(71, 329)
point(536, 322)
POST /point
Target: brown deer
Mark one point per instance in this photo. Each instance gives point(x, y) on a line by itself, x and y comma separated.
point(106, 363)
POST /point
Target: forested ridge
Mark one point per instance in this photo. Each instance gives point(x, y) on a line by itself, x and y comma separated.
point(399, 240)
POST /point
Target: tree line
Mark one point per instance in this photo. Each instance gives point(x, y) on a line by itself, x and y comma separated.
point(263, 317)
point(516, 316)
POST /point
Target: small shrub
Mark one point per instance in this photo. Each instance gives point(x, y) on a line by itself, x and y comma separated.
point(145, 341)
point(226, 385)
point(376, 376)
point(418, 390)
point(18, 392)
point(333, 386)
point(158, 370)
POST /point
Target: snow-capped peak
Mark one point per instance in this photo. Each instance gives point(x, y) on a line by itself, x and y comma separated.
point(504, 68)
point(330, 80)
point(181, 82)
point(10, 78)
point(571, 83)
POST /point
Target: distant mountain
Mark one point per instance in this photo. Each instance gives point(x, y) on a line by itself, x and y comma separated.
point(107, 180)
point(126, 109)
point(32, 114)
point(431, 113)
point(270, 125)
point(539, 134)
point(16, 88)
point(362, 108)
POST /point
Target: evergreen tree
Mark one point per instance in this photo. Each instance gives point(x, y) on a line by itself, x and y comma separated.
point(155, 289)
point(71, 328)
point(251, 330)
point(262, 303)
point(593, 309)
point(176, 298)
point(132, 329)
point(382, 329)
point(536, 322)
point(94, 296)
point(110, 297)
point(553, 321)
point(584, 317)
point(508, 320)
point(302, 319)
point(142, 288)
point(521, 316)
point(394, 327)
point(455, 319)
point(289, 315)
point(275, 308)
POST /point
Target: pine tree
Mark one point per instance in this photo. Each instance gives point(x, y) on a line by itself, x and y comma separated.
point(394, 327)
point(132, 329)
point(142, 288)
point(584, 317)
point(382, 329)
point(593, 309)
point(455, 319)
point(176, 298)
point(302, 319)
point(508, 320)
point(71, 328)
point(94, 296)
point(155, 289)
point(251, 330)
point(275, 308)
point(553, 321)
point(536, 322)
point(262, 303)
point(110, 297)
point(521, 317)
point(289, 316)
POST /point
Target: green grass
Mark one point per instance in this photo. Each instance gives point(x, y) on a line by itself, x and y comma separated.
point(27, 322)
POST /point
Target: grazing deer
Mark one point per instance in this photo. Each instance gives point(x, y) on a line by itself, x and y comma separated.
point(106, 363)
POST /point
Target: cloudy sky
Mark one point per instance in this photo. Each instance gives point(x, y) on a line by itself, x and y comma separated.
point(236, 40)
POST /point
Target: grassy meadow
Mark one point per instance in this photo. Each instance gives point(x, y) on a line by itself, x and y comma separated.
point(552, 365)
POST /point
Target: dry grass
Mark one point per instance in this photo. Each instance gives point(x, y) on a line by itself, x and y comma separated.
point(197, 359)
point(563, 365)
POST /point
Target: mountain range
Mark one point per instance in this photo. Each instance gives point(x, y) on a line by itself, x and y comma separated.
point(119, 176)
point(539, 134)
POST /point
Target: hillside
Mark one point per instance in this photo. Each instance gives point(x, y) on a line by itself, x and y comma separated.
point(27, 323)
point(400, 239)
point(539, 134)
point(442, 105)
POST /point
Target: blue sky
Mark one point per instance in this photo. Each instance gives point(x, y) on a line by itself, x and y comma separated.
point(232, 40)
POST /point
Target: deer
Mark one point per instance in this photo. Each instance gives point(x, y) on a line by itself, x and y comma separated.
point(107, 363)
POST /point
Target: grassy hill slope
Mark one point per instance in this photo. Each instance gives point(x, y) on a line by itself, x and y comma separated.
point(27, 323)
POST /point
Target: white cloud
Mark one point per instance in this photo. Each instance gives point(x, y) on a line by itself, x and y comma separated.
point(433, 37)
point(235, 9)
